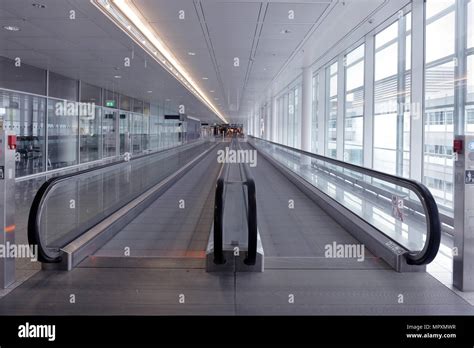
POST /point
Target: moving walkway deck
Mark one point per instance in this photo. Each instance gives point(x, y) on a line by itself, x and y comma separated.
point(166, 262)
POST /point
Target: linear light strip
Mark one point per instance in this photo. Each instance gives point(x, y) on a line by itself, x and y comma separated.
point(126, 17)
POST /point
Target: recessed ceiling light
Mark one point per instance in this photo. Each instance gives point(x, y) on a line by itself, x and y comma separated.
point(212, 91)
point(167, 99)
point(216, 98)
point(118, 76)
point(285, 31)
point(191, 53)
point(11, 28)
point(38, 5)
point(205, 78)
point(149, 91)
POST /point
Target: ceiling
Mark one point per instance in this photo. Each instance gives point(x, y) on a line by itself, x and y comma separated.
point(261, 34)
point(264, 35)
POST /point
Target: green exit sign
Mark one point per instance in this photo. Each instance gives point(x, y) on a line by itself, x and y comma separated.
point(110, 103)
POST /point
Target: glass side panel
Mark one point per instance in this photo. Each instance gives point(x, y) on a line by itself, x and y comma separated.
point(78, 203)
point(394, 210)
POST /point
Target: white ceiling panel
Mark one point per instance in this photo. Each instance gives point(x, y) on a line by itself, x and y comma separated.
point(74, 30)
point(229, 12)
point(281, 31)
point(167, 10)
point(55, 9)
point(307, 13)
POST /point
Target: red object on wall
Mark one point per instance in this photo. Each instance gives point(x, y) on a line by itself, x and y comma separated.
point(12, 142)
point(457, 146)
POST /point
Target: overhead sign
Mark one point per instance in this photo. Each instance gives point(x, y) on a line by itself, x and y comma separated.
point(110, 103)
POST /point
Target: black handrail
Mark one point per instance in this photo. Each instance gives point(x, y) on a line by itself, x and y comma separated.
point(34, 236)
point(219, 222)
point(433, 233)
point(252, 228)
point(251, 222)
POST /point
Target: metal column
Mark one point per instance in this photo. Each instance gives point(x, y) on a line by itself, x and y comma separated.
point(7, 205)
point(463, 263)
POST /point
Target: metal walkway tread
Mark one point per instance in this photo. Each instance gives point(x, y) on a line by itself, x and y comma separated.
point(177, 224)
point(128, 291)
point(144, 262)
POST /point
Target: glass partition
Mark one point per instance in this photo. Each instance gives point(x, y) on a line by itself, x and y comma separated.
point(25, 115)
point(74, 204)
point(63, 135)
point(393, 208)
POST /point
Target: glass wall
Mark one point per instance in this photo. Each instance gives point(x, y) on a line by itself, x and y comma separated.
point(392, 98)
point(354, 106)
point(314, 116)
point(124, 129)
point(297, 119)
point(63, 133)
point(81, 122)
point(90, 115)
point(137, 133)
point(331, 110)
point(289, 117)
point(108, 132)
point(439, 99)
point(25, 115)
point(469, 112)
point(290, 128)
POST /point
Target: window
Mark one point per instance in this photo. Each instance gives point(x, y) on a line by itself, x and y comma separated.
point(469, 112)
point(297, 119)
point(314, 116)
point(354, 106)
point(392, 96)
point(439, 98)
point(291, 119)
point(470, 95)
point(331, 110)
point(470, 24)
